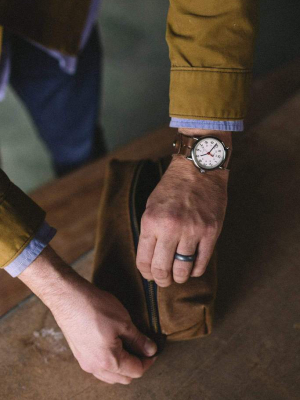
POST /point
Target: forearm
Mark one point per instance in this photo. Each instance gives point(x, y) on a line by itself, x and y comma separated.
point(51, 279)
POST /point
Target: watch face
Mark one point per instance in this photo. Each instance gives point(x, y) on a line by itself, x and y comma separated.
point(209, 153)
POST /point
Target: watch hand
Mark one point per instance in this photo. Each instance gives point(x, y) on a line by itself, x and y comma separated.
point(212, 147)
point(201, 155)
point(208, 153)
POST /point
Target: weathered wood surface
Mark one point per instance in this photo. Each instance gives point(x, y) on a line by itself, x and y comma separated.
point(71, 202)
point(253, 353)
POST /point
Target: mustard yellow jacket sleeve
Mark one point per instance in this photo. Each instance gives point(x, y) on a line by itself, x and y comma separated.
point(20, 219)
point(211, 46)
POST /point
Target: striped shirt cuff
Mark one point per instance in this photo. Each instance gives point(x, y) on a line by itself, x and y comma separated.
point(32, 251)
point(234, 126)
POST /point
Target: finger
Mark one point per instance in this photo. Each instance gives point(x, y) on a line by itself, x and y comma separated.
point(112, 377)
point(144, 256)
point(138, 343)
point(205, 250)
point(162, 261)
point(182, 269)
point(133, 366)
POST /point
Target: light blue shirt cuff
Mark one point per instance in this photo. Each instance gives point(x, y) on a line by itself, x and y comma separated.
point(32, 251)
point(234, 126)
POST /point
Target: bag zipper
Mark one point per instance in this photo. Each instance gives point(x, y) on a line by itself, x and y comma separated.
point(150, 287)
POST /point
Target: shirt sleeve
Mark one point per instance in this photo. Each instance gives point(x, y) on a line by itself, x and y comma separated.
point(233, 126)
point(43, 236)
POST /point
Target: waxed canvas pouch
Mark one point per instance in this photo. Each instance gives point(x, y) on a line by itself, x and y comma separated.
point(178, 312)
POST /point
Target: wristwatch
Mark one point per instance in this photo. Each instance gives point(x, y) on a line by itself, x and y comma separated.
point(207, 152)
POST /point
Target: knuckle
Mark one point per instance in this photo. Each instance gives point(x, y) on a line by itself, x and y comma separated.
point(147, 276)
point(126, 326)
point(193, 241)
point(143, 266)
point(181, 272)
point(191, 238)
point(167, 220)
point(160, 273)
point(109, 364)
point(172, 220)
point(190, 245)
point(212, 228)
point(147, 219)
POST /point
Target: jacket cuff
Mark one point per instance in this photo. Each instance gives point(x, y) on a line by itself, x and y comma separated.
point(20, 219)
point(42, 238)
point(209, 93)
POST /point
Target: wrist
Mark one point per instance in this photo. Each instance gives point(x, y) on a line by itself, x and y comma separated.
point(51, 279)
point(225, 136)
point(185, 168)
point(195, 150)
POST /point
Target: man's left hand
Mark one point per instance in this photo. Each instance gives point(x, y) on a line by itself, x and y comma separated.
point(184, 214)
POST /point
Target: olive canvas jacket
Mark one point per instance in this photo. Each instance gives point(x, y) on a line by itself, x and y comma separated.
point(211, 44)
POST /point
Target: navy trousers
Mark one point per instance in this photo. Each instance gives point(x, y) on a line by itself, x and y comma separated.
point(64, 108)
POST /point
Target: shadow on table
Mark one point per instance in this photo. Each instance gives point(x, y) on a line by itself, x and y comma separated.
point(263, 209)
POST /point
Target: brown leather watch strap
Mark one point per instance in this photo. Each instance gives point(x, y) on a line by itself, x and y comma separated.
point(228, 162)
point(183, 144)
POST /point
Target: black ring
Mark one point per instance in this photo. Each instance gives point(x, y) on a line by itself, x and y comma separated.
point(181, 257)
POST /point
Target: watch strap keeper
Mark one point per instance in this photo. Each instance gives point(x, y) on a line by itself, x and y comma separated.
point(183, 144)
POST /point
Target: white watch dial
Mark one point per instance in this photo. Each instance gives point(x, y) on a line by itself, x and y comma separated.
point(209, 153)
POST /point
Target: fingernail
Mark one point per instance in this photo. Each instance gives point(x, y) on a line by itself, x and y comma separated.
point(150, 347)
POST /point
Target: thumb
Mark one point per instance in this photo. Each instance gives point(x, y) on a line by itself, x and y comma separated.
point(138, 343)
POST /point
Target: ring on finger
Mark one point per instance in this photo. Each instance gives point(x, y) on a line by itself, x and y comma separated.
point(181, 257)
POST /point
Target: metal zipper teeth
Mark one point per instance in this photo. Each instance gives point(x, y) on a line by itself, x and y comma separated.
point(152, 298)
point(150, 285)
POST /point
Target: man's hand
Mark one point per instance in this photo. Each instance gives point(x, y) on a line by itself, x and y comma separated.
point(184, 214)
point(97, 327)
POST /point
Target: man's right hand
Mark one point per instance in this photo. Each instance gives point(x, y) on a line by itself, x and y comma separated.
point(95, 324)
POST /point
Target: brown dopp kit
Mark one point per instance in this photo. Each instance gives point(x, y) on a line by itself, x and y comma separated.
point(178, 312)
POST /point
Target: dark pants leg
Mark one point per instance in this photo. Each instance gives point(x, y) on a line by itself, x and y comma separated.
point(64, 107)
